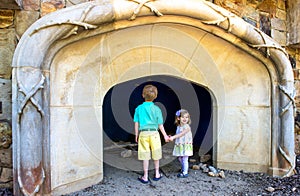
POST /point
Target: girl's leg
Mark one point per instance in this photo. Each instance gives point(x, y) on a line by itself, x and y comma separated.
point(185, 164)
point(181, 163)
point(156, 167)
point(180, 160)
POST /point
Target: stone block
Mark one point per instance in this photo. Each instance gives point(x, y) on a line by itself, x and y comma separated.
point(51, 6)
point(6, 158)
point(7, 48)
point(250, 13)
point(5, 99)
point(6, 18)
point(9, 4)
point(23, 20)
point(293, 22)
point(6, 175)
point(296, 74)
point(281, 4)
point(297, 143)
point(297, 97)
point(278, 24)
point(31, 4)
point(281, 14)
point(268, 6)
point(5, 135)
point(234, 7)
point(279, 36)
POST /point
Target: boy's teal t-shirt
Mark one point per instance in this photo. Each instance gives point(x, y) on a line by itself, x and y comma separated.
point(148, 115)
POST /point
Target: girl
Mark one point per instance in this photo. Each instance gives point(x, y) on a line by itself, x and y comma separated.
point(183, 141)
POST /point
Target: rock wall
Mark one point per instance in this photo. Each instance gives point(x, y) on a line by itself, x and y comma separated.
point(274, 17)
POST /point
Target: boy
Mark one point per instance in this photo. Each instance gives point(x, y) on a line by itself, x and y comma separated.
point(147, 119)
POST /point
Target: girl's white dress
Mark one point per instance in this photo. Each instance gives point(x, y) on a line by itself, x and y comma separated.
point(183, 145)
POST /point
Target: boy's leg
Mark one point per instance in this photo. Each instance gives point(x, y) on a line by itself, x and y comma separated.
point(145, 167)
point(156, 167)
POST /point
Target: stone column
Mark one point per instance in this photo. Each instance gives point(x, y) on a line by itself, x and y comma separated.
point(293, 22)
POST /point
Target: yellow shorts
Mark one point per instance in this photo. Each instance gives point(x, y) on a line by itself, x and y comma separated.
point(149, 143)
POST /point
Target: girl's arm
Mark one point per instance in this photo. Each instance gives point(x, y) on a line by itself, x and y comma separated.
point(185, 130)
point(136, 129)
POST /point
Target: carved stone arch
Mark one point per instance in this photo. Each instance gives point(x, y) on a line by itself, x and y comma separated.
point(42, 41)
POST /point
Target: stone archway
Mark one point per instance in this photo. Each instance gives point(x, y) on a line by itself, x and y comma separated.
point(99, 52)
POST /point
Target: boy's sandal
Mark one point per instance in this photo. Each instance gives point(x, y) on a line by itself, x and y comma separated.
point(142, 180)
point(157, 179)
point(181, 175)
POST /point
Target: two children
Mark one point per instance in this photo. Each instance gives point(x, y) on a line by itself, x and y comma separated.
point(147, 120)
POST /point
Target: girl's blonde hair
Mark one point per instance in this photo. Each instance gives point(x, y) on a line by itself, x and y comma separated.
point(150, 92)
point(180, 113)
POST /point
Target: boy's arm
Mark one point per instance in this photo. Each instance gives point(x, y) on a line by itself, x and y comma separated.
point(162, 130)
point(136, 130)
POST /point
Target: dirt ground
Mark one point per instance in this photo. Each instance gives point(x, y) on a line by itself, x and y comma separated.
point(121, 179)
point(121, 182)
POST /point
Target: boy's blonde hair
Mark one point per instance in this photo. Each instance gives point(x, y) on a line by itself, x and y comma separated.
point(180, 113)
point(150, 92)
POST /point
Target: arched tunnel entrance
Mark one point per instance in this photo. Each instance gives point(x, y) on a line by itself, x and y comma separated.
point(173, 94)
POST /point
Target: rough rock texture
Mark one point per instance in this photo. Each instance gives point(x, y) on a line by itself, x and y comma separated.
point(118, 182)
point(121, 182)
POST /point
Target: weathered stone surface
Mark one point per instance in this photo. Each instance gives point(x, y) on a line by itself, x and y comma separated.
point(7, 48)
point(126, 153)
point(5, 135)
point(250, 12)
point(51, 6)
point(281, 14)
point(297, 140)
point(5, 98)
point(278, 24)
point(297, 97)
point(23, 19)
point(6, 175)
point(268, 6)
point(265, 24)
point(205, 158)
point(293, 22)
point(279, 36)
point(6, 158)
point(31, 4)
point(281, 4)
point(6, 18)
point(232, 6)
point(9, 4)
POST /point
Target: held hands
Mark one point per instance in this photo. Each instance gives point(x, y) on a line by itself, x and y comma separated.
point(168, 138)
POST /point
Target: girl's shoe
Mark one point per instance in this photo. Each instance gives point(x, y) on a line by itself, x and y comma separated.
point(181, 175)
